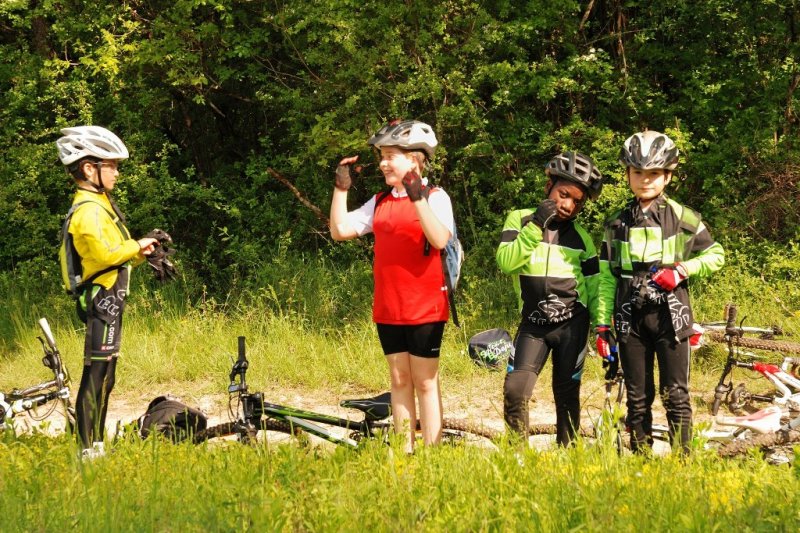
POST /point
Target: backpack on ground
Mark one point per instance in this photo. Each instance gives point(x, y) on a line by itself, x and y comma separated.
point(171, 418)
point(492, 349)
point(452, 256)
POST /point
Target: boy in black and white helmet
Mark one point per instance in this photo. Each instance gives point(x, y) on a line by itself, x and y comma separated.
point(650, 249)
point(410, 306)
point(102, 252)
point(555, 268)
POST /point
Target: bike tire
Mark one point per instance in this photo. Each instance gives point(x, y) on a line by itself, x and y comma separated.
point(757, 344)
point(550, 429)
point(465, 426)
point(769, 440)
point(228, 429)
point(464, 432)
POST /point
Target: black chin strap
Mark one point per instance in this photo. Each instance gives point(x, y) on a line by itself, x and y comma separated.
point(97, 188)
point(99, 166)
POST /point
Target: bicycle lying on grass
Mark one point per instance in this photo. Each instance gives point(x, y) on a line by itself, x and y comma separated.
point(735, 435)
point(782, 425)
point(782, 378)
point(723, 431)
point(55, 391)
point(254, 414)
point(731, 435)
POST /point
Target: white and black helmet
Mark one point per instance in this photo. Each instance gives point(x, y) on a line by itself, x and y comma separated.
point(408, 135)
point(578, 168)
point(649, 150)
point(89, 141)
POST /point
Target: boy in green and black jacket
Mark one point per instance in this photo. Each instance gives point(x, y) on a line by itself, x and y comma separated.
point(555, 269)
point(650, 248)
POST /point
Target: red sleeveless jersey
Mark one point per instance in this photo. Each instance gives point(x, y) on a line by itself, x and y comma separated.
point(409, 286)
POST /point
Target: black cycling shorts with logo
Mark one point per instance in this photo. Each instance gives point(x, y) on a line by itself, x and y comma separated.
point(104, 322)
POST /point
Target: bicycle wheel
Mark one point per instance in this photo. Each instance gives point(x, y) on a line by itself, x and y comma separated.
point(765, 441)
point(758, 344)
point(465, 432)
point(550, 429)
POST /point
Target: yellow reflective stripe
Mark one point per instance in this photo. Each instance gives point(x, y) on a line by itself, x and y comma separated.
point(668, 250)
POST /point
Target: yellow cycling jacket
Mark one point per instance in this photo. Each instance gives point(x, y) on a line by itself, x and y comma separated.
point(100, 239)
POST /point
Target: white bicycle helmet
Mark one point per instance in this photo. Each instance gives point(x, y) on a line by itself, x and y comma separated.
point(408, 135)
point(577, 168)
point(89, 141)
point(648, 150)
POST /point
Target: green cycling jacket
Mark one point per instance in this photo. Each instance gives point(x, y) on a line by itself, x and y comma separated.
point(635, 242)
point(556, 271)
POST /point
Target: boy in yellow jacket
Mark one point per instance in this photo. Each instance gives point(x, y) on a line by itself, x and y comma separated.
point(97, 253)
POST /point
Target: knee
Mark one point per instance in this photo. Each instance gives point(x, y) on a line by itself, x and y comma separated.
point(426, 386)
point(568, 394)
point(675, 398)
point(401, 379)
point(514, 389)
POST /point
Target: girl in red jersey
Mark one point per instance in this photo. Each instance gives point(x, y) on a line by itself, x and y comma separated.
point(411, 224)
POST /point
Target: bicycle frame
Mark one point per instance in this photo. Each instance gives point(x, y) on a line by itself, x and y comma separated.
point(254, 408)
point(779, 377)
point(28, 399)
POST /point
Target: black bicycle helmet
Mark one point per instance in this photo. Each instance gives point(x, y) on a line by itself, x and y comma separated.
point(649, 150)
point(406, 134)
point(578, 168)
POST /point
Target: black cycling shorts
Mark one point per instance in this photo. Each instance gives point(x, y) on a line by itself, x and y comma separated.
point(422, 340)
point(104, 321)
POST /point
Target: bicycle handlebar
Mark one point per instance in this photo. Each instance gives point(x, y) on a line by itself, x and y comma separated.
point(242, 356)
point(239, 369)
point(730, 320)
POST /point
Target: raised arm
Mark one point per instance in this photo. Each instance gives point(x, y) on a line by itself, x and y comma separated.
point(341, 229)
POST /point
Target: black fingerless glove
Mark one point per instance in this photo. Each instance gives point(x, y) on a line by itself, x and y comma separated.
point(413, 185)
point(344, 179)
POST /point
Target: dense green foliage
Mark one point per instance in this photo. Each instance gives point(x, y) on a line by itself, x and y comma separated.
point(210, 95)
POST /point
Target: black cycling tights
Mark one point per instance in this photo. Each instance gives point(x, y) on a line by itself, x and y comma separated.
point(532, 346)
point(651, 339)
point(92, 403)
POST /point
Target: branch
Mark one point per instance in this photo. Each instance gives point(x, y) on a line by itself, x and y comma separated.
point(586, 15)
point(300, 196)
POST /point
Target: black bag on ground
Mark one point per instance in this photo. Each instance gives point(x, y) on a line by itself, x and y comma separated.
point(172, 418)
point(493, 349)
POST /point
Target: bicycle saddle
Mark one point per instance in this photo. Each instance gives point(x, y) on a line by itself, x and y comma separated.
point(767, 420)
point(376, 408)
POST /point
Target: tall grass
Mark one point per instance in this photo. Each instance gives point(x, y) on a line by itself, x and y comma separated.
point(308, 328)
point(155, 486)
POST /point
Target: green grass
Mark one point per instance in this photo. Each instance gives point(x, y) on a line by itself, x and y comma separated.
point(155, 486)
point(312, 335)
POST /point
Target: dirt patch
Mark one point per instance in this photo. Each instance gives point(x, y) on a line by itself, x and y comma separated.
point(480, 402)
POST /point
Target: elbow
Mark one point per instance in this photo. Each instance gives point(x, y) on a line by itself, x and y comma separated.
point(503, 267)
point(336, 236)
point(439, 245)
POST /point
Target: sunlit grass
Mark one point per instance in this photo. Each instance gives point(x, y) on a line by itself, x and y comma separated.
point(314, 337)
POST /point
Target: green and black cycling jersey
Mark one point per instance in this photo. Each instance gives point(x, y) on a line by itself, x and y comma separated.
point(636, 242)
point(556, 270)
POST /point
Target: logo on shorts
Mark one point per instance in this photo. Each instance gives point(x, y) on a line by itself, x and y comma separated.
point(111, 334)
point(108, 305)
